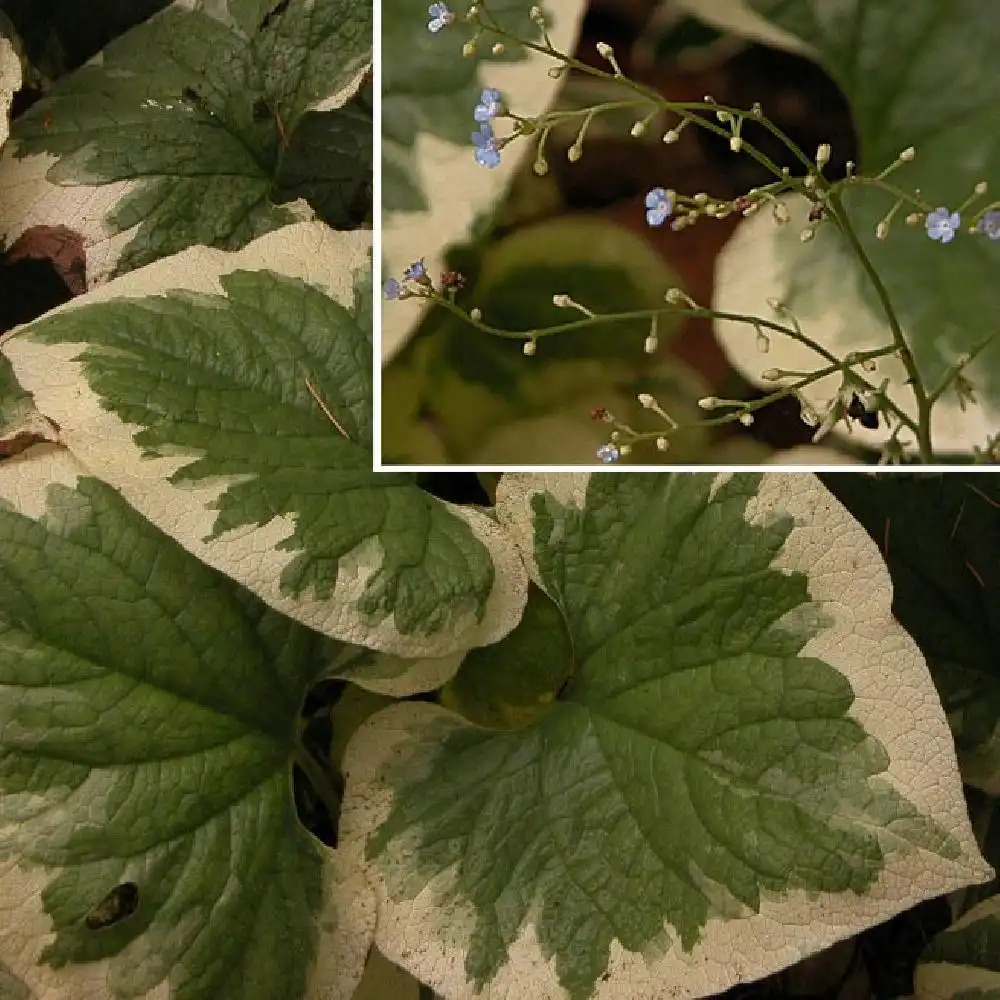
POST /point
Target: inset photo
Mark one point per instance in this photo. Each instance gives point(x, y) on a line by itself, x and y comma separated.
point(629, 234)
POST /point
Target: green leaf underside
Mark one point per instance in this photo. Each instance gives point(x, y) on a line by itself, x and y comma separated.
point(225, 377)
point(429, 86)
point(694, 763)
point(188, 107)
point(146, 723)
point(940, 537)
point(912, 72)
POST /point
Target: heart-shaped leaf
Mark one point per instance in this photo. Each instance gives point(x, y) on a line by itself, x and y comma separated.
point(149, 845)
point(236, 415)
point(746, 764)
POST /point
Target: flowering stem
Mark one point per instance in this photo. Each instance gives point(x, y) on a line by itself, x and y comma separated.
point(835, 364)
point(648, 314)
point(904, 420)
point(923, 426)
point(955, 369)
point(649, 94)
point(859, 181)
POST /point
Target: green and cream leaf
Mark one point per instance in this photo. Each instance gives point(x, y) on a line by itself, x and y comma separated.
point(147, 734)
point(384, 673)
point(747, 762)
point(177, 133)
point(227, 396)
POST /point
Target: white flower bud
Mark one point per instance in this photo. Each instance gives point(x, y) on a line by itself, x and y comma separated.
point(498, 49)
point(746, 419)
point(476, 313)
point(637, 129)
point(626, 449)
point(882, 230)
point(604, 50)
point(662, 444)
point(809, 416)
point(529, 348)
point(823, 155)
point(652, 342)
point(908, 154)
point(671, 135)
point(708, 402)
point(646, 400)
point(736, 144)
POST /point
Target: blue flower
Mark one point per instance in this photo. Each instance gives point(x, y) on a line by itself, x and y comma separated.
point(440, 17)
point(415, 271)
point(990, 225)
point(487, 153)
point(608, 453)
point(659, 205)
point(942, 225)
point(392, 288)
point(489, 105)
